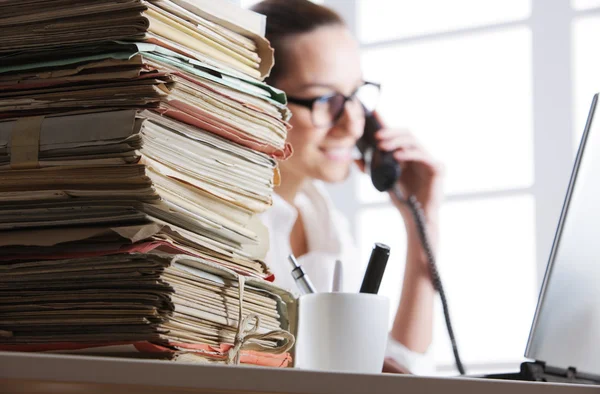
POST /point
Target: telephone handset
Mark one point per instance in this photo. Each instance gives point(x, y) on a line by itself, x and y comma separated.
point(381, 166)
point(385, 171)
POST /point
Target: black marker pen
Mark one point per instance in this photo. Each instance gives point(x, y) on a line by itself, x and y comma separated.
point(375, 269)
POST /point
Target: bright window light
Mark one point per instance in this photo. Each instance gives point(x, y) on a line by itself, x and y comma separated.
point(585, 4)
point(385, 19)
point(585, 70)
point(487, 260)
point(487, 263)
point(468, 100)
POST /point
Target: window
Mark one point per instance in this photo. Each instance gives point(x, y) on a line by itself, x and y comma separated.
point(585, 4)
point(468, 98)
point(400, 19)
point(466, 109)
point(475, 114)
point(479, 89)
point(586, 63)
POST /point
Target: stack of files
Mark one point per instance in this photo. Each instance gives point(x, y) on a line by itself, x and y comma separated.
point(185, 26)
point(195, 192)
point(141, 305)
point(107, 76)
point(133, 128)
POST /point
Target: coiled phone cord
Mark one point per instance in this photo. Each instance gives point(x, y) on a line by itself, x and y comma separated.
point(417, 212)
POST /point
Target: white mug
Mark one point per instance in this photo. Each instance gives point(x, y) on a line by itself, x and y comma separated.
point(342, 332)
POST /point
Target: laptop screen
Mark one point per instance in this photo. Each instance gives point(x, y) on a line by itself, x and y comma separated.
point(566, 327)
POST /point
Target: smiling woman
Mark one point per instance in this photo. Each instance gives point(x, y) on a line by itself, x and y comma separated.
point(318, 66)
point(323, 150)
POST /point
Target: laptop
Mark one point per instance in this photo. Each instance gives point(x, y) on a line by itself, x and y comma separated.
point(564, 339)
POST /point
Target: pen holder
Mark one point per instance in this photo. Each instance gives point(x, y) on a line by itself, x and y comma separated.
point(342, 332)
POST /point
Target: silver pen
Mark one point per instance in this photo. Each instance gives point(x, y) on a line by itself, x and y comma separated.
point(302, 280)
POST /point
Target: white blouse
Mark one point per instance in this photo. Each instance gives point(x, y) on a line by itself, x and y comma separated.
point(332, 262)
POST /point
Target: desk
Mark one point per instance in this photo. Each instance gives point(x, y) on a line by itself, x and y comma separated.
point(43, 373)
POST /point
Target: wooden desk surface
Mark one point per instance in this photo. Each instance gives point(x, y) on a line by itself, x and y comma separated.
point(44, 373)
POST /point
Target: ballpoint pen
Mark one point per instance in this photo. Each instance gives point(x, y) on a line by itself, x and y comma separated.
point(302, 280)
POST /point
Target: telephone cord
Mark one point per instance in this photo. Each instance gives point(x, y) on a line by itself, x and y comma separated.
point(417, 212)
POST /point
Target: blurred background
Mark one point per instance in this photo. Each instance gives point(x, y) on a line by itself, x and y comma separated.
point(499, 91)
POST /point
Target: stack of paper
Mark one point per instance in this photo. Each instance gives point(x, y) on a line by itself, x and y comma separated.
point(131, 131)
point(136, 167)
point(180, 25)
point(137, 75)
point(130, 304)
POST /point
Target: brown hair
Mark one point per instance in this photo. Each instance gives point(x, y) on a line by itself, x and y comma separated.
point(287, 18)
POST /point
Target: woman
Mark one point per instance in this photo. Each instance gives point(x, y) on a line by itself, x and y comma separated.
point(318, 66)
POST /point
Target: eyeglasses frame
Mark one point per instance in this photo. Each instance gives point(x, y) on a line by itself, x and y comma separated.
point(310, 102)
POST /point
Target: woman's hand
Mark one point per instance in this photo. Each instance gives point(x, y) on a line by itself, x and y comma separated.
point(421, 177)
point(421, 173)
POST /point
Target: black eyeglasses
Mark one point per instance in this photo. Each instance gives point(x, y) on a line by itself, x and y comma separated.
point(328, 109)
